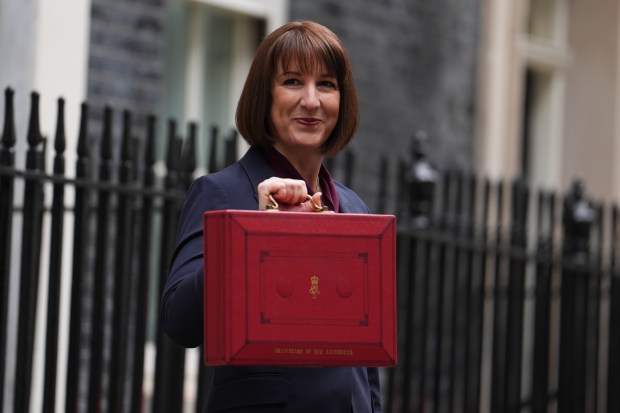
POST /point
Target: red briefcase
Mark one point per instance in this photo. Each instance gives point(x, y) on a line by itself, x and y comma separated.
point(299, 289)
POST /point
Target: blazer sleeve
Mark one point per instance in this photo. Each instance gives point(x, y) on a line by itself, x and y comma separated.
point(181, 308)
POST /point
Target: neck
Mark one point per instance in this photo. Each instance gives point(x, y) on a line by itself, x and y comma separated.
point(306, 163)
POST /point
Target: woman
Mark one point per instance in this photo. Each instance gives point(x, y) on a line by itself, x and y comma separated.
point(298, 105)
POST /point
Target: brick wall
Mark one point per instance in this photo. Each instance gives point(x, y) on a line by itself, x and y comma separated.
point(413, 60)
point(126, 58)
point(414, 64)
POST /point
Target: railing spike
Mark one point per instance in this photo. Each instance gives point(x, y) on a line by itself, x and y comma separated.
point(150, 156)
point(172, 158)
point(213, 165)
point(8, 132)
point(83, 147)
point(189, 156)
point(106, 139)
point(231, 148)
point(59, 139)
point(34, 132)
point(42, 153)
point(126, 144)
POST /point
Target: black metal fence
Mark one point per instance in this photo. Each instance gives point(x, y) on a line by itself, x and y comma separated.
point(509, 298)
point(123, 219)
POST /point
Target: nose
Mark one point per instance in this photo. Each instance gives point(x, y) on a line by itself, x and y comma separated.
point(310, 98)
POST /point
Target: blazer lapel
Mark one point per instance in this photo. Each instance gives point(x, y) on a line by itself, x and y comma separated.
point(349, 202)
point(344, 203)
point(256, 168)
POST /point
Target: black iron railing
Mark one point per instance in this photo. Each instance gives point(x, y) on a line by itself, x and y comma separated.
point(508, 300)
point(509, 297)
point(124, 223)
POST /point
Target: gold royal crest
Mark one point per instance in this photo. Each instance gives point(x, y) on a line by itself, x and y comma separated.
point(314, 286)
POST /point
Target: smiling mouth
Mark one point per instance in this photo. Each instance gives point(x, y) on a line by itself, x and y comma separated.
point(308, 121)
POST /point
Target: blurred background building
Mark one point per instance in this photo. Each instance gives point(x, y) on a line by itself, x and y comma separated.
point(501, 88)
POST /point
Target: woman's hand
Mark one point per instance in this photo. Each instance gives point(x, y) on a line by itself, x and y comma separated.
point(290, 194)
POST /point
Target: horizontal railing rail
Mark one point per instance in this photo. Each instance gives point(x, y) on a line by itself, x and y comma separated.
point(508, 295)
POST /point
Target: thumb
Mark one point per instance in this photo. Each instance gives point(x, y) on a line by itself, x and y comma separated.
point(315, 202)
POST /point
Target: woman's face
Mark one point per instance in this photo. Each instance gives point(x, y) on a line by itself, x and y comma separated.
point(304, 108)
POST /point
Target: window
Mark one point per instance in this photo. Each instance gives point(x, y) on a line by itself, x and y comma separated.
point(523, 81)
point(544, 46)
point(209, 48)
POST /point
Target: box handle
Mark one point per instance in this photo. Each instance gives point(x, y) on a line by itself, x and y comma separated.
point(273, 205)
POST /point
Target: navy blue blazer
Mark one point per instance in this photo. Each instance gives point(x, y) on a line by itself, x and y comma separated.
point(252, 389)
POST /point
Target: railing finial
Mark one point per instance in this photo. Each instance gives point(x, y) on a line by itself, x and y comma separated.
point(59, 139)
point(34, 132)
point(106, 138)
point(8, 132)
point(82, 146)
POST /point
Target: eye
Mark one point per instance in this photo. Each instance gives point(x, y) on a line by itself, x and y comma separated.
point(291, 82)
point(328, 84)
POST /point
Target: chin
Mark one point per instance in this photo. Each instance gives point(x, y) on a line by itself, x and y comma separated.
point(314, 142)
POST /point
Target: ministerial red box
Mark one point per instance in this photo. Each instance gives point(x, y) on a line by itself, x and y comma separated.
point(299, 289)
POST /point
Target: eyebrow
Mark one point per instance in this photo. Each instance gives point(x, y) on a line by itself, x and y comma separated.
point(297, 73)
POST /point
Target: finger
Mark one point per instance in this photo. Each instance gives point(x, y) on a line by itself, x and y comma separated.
point(313, 204)
point(265, 188)
point(283, 190)
point(293, 192)
point(317, 198)
point(316, 202)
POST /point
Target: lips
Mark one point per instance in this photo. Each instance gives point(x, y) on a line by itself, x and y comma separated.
point(308, 121)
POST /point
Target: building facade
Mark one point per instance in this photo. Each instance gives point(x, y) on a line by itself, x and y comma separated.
point(414, 66)
point(502, 89)
point(548, 93)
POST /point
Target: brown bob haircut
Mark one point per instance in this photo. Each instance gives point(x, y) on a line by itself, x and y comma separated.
point(307, 44)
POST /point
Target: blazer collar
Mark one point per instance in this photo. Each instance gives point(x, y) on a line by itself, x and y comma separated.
point(257, 170)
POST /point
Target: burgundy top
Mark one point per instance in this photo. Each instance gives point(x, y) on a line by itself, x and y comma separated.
point(284, 169)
